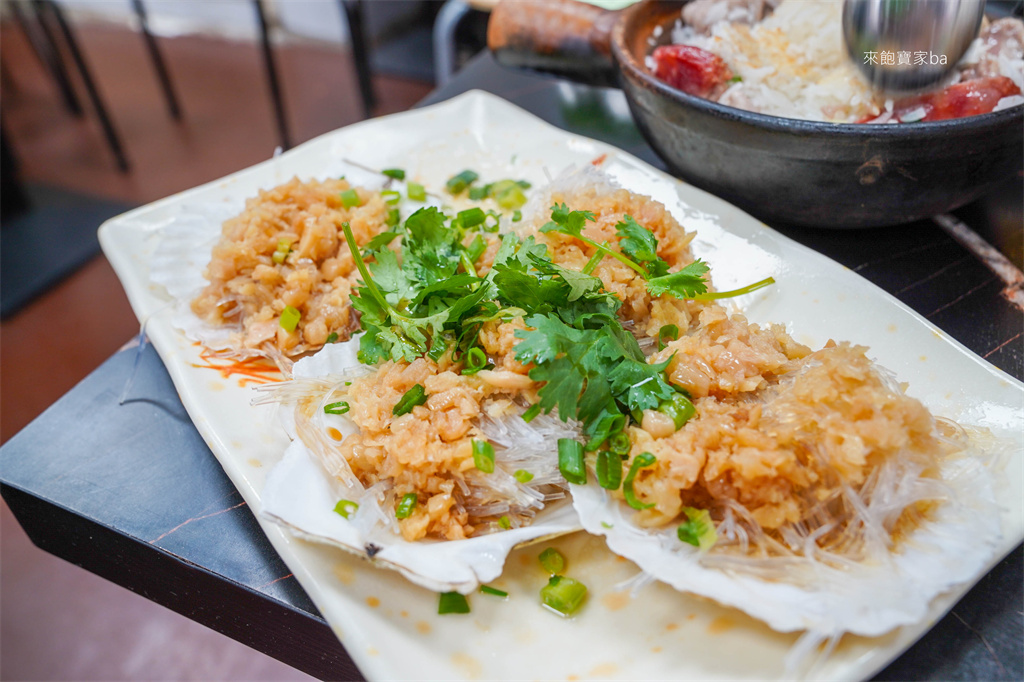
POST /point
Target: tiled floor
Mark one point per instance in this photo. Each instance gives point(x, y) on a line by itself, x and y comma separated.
point(58, 622)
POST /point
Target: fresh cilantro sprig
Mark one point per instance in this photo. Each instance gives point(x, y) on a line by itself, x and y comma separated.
point(638, 249)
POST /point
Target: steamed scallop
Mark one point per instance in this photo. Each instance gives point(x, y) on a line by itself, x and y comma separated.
point(827, 501)
point(405, 491)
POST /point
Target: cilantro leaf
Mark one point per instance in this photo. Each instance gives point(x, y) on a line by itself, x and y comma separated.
point(685, 283)
point(636, 241)
point(566, 221)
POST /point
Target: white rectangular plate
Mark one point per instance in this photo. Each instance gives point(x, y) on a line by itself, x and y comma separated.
point(391, 627)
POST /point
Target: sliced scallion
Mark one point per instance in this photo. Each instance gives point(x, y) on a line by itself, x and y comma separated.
point(669, 332)
point(609, 470)
point(346, 508)
point(699, 530)
point(563, 595)
point(332, 337)
point(504, 522)
point(452, 602)
point(350, 198)
point(405, 506)
point(523, 476)
point(458, 183)
point(390, 196)
point(570, 461)
point(493, 591)
point(483, 456)
point(417, 395)
point(416, 191)
point(644, 459)
point(340, 407)
point(393, 217)
point(552, 561)
point(471, 217)
point(517, 215)
point(678, 408)
point(289, 319)
point(619, 443)
point(396, 173)
point(476, 360)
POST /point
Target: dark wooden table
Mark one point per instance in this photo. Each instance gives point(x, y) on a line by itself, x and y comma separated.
point(132, 493)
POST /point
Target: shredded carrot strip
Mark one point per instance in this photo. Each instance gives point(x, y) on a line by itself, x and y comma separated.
point(255, 370)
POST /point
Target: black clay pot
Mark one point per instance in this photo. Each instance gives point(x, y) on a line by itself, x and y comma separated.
point(802, 172)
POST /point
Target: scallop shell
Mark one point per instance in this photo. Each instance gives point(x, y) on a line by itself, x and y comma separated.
point(868, 598)
point(184, 248)
point(300, 496)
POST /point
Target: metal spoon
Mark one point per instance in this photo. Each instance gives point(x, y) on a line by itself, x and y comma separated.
point(905, 45)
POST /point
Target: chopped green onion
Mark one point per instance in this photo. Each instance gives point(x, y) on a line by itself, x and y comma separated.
point(350, 198)
point(605, 524)
point(669, 331)
point(570, 461)
point(417, 395)
point(699, 530)
point(493, 591)
point(563, 595)
point(492, 223)
point(483, 456)
point(390, 196)
point(476, 248)
point(458, 183)
point(619, 443)
point(332, 337)
point(644, 459)
point(284, 247)
point(289, 319)
point(416, 191)
point(476, 360)
point(346, 508)
point(678, 408)
point(552, 561)
point(504, 523)
point(405, 506)
point(479, 193)
point(735, 79)
point(523, 476)
point(508, 194)
point(452, 602)
point(471, 217)
point(531, 412)
point(396, 173)
point(609, 470)
point(517, 215)
point(340, 407)
point(393, 217)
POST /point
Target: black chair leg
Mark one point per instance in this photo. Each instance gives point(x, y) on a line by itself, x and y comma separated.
point(360, 52)
point(275, 89)
point(46, 50)
point(158, 61)
point(90, 86)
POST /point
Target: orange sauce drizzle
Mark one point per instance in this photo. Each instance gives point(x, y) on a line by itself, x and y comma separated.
point(252, 370)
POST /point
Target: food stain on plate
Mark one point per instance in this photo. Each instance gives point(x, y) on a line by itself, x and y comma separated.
point(468, 664)
point(344, 573)
point(372, 602)
point(615, 601)
point(603, 670)
point(721, 624)
point(255, 463)
point(423, 627)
